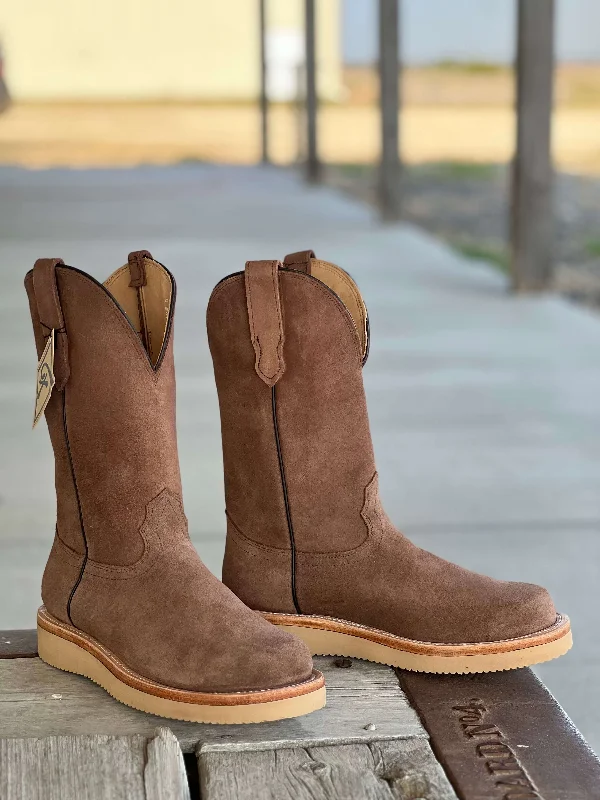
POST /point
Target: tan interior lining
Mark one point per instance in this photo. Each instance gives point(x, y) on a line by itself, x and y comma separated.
point(345, 288)
point(147, 307)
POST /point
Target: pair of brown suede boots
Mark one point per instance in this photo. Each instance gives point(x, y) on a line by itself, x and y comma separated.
point(312, 563)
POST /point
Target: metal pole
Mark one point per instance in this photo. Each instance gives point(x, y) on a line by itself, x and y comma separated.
point(389, 167)
point(532, 212)
point(313, 165)
point(264, 100)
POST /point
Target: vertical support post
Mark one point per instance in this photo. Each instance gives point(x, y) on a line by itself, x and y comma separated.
point(389, 167)
point(264, 100)
point(313, 165)
point(532, 210)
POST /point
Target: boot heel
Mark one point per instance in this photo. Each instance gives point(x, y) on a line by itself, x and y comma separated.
point(62, 654)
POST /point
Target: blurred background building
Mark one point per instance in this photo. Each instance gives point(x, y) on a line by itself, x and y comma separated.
point(179, 50)
point(126, 81)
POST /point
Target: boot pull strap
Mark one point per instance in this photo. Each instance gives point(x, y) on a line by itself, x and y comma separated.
point(51, 316)
point(46, 294)
point(264, 316)
point(137, 268)
point(300, 260)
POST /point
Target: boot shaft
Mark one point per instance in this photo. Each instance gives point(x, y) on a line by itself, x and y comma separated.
point(111, 416)
point(288, 344)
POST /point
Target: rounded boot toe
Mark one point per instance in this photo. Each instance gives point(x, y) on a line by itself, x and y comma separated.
point(516, 610)
point(534, 609)
point(278, 659)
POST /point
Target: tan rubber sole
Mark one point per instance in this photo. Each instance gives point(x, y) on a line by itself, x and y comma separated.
point(66, 648)
point(329, 636)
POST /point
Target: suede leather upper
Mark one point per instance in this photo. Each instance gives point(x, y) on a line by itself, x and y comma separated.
point(347, 559)
point(122, 568)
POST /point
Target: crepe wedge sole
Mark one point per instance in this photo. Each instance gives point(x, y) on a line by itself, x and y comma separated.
point(329, 636)
point(66, 648)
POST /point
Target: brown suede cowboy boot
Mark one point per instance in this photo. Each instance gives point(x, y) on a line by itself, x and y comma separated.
point(307, 539)
point(127, 601)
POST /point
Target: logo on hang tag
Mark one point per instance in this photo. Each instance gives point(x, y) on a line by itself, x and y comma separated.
point(45, 379)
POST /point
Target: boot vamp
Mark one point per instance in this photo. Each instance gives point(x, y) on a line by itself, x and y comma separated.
point(176, 624)
point(390, 584)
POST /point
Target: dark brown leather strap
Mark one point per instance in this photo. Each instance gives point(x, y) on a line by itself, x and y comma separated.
point(137, 268)
point(264, 316)
point(299, 260)
point(47, 298)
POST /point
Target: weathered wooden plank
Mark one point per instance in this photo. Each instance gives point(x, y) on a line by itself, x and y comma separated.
point(18, 644)
point(502, 736)
point(165, 775)
point(364, 703)
point(400, 770)
point(532, 215)
point(93, 768)
point(389, 166)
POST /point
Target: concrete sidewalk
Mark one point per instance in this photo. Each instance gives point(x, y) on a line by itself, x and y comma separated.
point(485, 409)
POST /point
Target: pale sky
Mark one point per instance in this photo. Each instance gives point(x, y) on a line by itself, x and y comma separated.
point(467, 30)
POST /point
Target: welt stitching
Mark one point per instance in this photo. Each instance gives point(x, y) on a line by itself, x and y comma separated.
point(557, 623)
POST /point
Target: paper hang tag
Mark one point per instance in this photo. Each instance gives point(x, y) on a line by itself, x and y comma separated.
point(45, 379)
